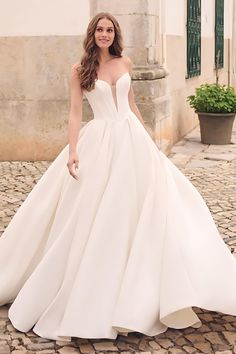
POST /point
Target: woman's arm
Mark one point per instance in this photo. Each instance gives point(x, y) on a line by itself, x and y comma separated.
point(131, 98)
point(75, 118)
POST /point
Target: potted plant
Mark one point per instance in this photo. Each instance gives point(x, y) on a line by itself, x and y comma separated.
point(215, 105)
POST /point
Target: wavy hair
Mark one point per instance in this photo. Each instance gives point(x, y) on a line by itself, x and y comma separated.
point(89, 62)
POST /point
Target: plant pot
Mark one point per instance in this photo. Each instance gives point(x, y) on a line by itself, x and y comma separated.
point(216, 128)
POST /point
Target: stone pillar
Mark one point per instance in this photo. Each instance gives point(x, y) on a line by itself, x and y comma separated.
point(140, 24)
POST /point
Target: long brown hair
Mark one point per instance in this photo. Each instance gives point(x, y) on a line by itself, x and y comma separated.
point(89, 61)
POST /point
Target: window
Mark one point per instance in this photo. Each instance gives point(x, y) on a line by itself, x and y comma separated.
point(193, 38)
point(219, 33)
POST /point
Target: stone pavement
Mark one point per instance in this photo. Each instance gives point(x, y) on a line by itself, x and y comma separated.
point(212, 169)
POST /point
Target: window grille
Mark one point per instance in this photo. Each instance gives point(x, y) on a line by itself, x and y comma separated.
point(219, 33)
point(193, 38)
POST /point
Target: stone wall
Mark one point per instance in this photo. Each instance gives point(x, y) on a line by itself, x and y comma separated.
point(38, 45)
point(34, 95)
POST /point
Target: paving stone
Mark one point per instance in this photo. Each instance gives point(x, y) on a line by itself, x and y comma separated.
point(204, 328)
point(200, 163)
point(180, 159)
point(230, 336)
point(124, 346)
point(46, 351)
point(26, 340)
point(61, 343)
point(165, 343)
point(190, 350)
point(5, 349)
point(132, 339)
point(229, 318)
point(16, 335)
point(86, 348)
point(229, 327)
point(5, 336)
point(173, 334)
point(217, 327)
point(2, 325)
point(38, 346)
point(21, 347)
point(204, 347)
point(144, 344)
point(176, 351)
point(180, 341)
point(206, 317)
point(195, 337)
point(154, 345)
point(214, 338)
point(15, 343)
point(68, 350)
point(3, 312)
point(32, 334)
point(218, 157)
point(104, 346)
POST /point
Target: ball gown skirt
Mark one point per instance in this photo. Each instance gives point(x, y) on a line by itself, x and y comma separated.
point(130, 246)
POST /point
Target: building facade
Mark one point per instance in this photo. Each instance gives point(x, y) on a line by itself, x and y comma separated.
point(174, 46)
point(193, 33)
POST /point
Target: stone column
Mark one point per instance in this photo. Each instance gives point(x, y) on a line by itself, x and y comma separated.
point(140, 24)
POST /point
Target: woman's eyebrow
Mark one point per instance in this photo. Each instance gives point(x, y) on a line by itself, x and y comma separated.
point(105, 27)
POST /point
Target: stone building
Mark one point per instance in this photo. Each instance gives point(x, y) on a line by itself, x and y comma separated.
point(173, 45)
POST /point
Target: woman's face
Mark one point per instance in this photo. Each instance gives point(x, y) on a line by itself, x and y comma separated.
point(104, 33)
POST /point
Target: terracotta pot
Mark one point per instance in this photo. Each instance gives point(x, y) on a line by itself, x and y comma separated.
point(216, 128)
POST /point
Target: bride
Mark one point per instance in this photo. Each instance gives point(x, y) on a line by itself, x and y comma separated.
point(113, 238)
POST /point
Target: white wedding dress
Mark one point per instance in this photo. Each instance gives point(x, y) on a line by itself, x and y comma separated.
point(131, 246)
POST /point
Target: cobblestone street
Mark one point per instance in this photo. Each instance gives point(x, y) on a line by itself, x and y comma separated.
point(212, 169)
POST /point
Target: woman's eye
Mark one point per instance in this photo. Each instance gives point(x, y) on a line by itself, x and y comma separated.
point(109, 30)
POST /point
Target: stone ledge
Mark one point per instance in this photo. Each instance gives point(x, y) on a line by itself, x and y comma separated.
point(149, 73)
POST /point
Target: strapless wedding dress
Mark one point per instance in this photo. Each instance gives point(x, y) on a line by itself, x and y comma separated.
point(131, 246)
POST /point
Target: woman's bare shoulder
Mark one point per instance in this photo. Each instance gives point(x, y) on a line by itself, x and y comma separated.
point(75, 67)
point(128, 62)
point(126, 59)
point(74, 72)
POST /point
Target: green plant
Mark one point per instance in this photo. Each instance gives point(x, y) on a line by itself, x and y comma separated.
point(213, 98)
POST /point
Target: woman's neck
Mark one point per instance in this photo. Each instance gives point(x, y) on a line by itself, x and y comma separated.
point(105, 57)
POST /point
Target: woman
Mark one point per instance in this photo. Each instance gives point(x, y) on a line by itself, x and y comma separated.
point(127, 244)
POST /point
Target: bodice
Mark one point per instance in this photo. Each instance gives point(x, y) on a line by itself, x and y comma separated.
point(110, 101)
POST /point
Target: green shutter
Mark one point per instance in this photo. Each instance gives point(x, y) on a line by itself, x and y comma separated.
point(219, 32)
point(193, 38)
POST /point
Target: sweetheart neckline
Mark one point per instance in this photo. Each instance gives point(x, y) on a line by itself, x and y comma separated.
point(116, 80)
